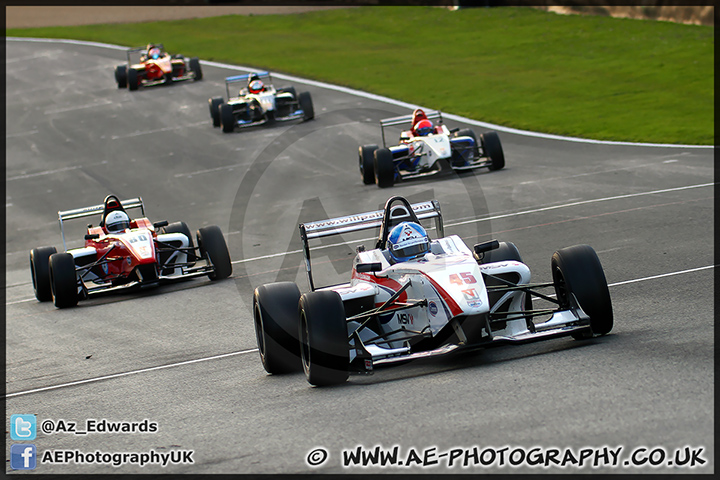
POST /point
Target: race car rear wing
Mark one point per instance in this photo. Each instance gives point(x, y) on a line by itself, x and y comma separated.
point(387, 122)
point(95, 210)
point(244, 78)
point(364, 221)
point(143, 50)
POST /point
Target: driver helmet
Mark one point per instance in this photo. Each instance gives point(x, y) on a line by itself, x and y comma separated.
point(154, 53)
point(424, 127)
point(408, 240)
point(117, 221)
point(256, 86)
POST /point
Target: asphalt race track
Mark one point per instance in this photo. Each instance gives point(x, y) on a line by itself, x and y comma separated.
point(184, 356)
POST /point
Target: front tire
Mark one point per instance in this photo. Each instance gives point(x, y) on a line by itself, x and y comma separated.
point(577, 270)
point(306, 105)
point(132, 79)
point(196, 68)
point(275, 312)
point(40, 271)
point(121, 76)
point(493, 149)
point(324, 345)
point(214, 249)
point(215, 104)
point(384, 168)
point(227, 119)
point(63, 280)
point(367, 163)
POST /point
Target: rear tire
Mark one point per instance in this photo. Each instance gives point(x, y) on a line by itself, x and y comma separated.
point(132, 79)
point(277, 323)
point(227, 119)
point(40, 271)
point(196, 68)
point(181, 227)
point(384, 168)
point(493, 149)
point(63, 280)
point(213, 248)
point(121, 76)
point(215, 104)
point(367, 163)
point(289, 90)
point(324, 345)
point(578, 270)
point(306, 105)
point(506, 251)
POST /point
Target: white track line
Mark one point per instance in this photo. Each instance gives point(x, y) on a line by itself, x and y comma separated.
point(661, 275)
point(495, 217)
point(132, 372)
point(379, 98)
point(242, 352)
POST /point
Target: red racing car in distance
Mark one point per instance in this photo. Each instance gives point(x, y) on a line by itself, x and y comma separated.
point(121, 253)
point(155, 67)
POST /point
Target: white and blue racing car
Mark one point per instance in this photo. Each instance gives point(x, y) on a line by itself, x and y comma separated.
point(427, 148)
point(411, 296)
point(258, 103)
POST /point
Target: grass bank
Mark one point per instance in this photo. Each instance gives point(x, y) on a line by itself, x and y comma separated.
point(593, 77)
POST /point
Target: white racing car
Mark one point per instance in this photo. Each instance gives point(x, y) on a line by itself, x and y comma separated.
point(425, 148)
point(258, 103)
point(412, 297)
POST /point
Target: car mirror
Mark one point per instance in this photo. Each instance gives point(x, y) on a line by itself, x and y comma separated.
point(368, 267)
point(161, 224)
point(481, 248)
point(92, 236)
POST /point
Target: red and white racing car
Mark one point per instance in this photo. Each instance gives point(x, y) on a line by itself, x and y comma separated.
point(412, 297)
point(155, 67)
point(120, 253)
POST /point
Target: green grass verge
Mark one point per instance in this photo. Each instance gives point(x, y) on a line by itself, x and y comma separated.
point(585, 76)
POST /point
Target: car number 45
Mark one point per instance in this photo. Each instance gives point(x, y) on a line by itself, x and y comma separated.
point(463, 278)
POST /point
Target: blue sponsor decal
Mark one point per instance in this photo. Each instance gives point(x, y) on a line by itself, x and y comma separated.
point(432, 307)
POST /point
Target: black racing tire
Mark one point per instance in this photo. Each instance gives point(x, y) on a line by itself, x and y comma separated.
point(213, 248)
point(133, 81)
point(40, 271)
point(121, 76)
point(181, 227)
point(577, 270)
point(324, 345)
point(384, 168)
point(289, 90)
point(196, 68)
point(306, 105)
point(492, 148)
point(215, 104)
point(506, 251)
point(277, 325)
point(367, 163)
point(227, 119)
point(467, 132)
point(63, 280)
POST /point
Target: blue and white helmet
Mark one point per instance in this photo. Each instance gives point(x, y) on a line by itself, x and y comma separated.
point(406, 241)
